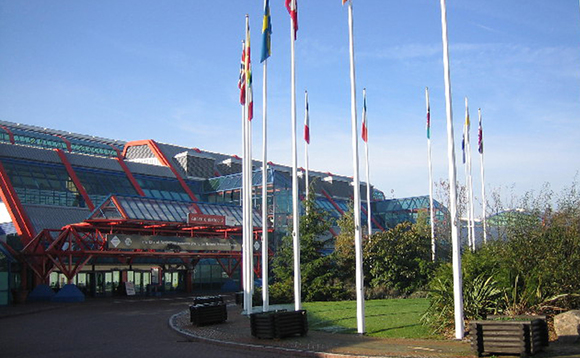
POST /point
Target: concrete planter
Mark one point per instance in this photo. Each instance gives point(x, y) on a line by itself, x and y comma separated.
point(521, 336)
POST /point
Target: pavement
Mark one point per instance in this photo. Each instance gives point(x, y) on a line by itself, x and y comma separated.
point(234, 334)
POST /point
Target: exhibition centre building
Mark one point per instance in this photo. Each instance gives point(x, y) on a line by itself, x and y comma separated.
point(102, 213)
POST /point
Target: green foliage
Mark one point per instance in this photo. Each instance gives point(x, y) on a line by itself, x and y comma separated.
point(398, 259)
point(480, 297)
point(534, 270)
point(317, 271)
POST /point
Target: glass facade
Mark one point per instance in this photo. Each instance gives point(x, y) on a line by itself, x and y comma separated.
point(4, 279)
point(42, 140)
point(42, 183)
point(100, 184)
point(392, 212)
point(162, 188)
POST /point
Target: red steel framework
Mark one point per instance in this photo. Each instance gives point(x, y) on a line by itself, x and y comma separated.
point(152, 145)
point(68, 250)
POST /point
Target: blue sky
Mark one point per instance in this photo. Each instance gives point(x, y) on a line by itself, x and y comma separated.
point(168, 71)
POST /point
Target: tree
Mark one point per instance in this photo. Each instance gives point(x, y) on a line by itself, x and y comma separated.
point(318, 272)
point(399, 260)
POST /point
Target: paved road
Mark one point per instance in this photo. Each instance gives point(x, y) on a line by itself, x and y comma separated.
point(106, 328)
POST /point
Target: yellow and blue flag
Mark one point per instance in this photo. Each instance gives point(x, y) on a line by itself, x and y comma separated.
point(266, 32)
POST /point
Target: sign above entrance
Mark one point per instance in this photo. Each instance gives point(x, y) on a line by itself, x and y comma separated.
point(171, 243)
point(206, 220)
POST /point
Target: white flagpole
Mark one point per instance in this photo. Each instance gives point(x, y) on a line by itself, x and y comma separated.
point(306, 124)
point(430, 164)
point(266, 50)
point(250, 207)
point(243, 194)
point(484, 203)
point(457, 275)
point(265, 288)
point(295, 203)
point(470, 187)
point(360, 304)
point(467, 175)
point(471, 211)
point(368, 171)
point(248, 182)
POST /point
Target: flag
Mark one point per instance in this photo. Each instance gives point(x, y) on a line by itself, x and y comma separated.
point(292, 7)
point(480, 137)
point(465, 141)
point(463, 147)
point(266, 32)
point(343, 1)
point(364, 131)
point(248, 75)
point(428, 120)
point(242, 78)
point(307, 123)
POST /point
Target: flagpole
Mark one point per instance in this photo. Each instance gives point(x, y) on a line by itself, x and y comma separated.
point(266, 50)
point(484, 203)
point(430, 164)
point(357, 217)
point(244, 189)
point(248, 181)
point(467, 174)
point(470, 180)
point(368, 171)
point(265, 293)
point(295, 208)
point(306, 143)
point(457, 275)
point(471, 211)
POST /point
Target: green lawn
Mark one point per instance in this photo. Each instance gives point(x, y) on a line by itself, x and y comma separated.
point(396, 318)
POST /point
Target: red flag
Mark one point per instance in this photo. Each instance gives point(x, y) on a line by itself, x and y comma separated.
point(292, 7)
point(480, 137)
point(242, 78)
point(364, 132)
point(307, 123)
point(248, 75)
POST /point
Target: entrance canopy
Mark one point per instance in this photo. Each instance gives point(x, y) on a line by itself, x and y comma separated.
point(135, 209)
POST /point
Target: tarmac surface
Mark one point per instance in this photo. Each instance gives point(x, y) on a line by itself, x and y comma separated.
point(160, 327)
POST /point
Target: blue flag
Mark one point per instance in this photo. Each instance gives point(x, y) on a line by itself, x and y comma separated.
point(266, 32)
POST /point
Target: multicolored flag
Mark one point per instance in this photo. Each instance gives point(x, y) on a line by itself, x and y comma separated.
point(480, 138)
point(266, 32)
point(343, 1)
point(242, 78)
point(292, 7)
point(465, 140)
point(307, 122)
point(428, 119)
point(248, 74)
point(364, 131)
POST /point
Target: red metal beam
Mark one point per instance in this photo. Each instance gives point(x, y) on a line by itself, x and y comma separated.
point(75, 179)
point(19, 217)
point(119, 207)
point(332, 201)
point(130, 176)
point(10, 134)
point(163, 160)
point(372, 219)
point(66, 142)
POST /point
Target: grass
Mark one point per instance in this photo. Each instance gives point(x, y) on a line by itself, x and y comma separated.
point(394, 318)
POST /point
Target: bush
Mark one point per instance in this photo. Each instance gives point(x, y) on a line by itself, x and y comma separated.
point(398, 259)
point(534, 271)
point(480, 298)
